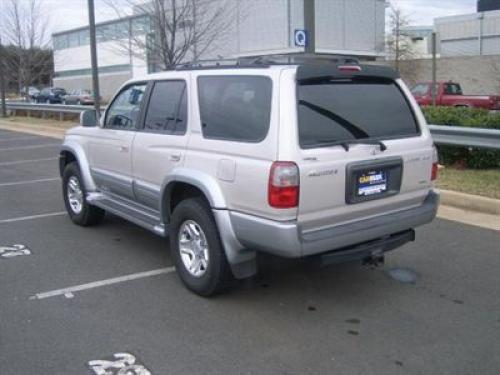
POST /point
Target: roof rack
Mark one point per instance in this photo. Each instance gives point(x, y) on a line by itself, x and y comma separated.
point(299, 58)
point(263, 61)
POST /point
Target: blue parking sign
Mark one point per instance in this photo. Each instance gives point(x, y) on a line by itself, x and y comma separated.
point(300, 38)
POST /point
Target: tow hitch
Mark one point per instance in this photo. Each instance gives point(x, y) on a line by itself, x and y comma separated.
point(371, 253)
point(374, 261)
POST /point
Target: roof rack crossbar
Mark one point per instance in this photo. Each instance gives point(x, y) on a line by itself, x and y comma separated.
point(263, 61)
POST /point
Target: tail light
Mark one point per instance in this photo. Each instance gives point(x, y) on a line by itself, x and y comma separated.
point(434, 173)
point(284, 185)
point(435, 165)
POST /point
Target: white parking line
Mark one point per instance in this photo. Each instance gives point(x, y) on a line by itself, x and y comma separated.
point(26, 161)
point(29, 181)
point(29, 147)
point(32, 217)
point(96, 284)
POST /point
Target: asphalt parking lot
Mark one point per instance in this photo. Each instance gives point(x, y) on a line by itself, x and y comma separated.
point(72, 295)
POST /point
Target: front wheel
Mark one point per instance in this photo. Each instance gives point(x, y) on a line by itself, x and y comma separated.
point(79, 210)
point(197, 250)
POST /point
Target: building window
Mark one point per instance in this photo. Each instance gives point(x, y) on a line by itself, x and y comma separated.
point(73, 40)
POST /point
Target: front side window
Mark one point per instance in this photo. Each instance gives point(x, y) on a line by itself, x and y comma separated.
point(236, 108)
point(167, 109)
point(124, 110)
point(331, 111)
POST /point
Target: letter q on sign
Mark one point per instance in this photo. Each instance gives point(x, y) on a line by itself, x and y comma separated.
point(300, 38)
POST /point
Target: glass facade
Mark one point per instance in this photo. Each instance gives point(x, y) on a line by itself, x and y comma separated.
point(104, 32)
point(87, 72)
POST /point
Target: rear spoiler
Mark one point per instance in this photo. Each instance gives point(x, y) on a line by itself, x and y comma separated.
point(308, 72)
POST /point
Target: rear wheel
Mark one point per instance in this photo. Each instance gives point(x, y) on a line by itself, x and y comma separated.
point(75, 200)
point(197, 250)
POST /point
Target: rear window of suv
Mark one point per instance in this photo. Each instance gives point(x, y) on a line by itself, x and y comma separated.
point(336, 111)
point(235, 108)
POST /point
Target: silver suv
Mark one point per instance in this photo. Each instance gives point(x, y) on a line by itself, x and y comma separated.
point(297, 160)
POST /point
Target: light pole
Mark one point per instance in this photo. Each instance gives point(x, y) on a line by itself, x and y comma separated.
point(93, 57)
point(310, 25)
point(434, 68)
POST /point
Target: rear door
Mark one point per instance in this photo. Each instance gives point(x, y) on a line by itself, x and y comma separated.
point(342, 181)
point(160, 145)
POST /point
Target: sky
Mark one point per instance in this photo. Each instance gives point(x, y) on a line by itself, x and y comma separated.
point(67, 14)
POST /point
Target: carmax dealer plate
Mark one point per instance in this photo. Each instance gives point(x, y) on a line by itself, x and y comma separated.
point(371, 182)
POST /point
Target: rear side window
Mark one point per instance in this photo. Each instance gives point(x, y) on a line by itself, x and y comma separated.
point(338, 111)
point(452, 89)
point(420, 90)
point(236, 108)
point(167, 110)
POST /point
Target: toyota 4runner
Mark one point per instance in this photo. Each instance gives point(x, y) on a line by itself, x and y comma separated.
point(294, 160)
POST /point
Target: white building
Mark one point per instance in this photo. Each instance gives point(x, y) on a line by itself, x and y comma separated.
point(419, 40)
point(469, 34)
point(346, 27)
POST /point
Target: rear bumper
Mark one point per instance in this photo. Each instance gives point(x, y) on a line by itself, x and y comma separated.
point(288, 240)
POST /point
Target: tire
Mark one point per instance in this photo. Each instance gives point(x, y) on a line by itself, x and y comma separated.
point(85, 214)
point(216, 276)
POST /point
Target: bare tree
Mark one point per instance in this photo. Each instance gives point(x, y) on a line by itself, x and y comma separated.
point(25, 28)
point(2, 82)
point(398, 44)
point(179, 29)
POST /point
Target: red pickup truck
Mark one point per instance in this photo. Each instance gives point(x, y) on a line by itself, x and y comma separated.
point(450, 94)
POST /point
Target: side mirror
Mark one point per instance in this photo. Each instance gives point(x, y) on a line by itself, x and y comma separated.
point(88, 118)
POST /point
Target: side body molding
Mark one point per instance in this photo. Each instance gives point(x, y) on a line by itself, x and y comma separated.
point(76, 149)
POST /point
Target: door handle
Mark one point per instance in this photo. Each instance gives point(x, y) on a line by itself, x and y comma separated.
point(123, 149)
point(175, 157)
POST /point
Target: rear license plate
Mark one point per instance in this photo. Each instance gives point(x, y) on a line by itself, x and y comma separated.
point(372, 182)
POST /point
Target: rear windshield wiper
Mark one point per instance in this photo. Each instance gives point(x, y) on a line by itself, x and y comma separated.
point(346, 144)
point(355, 130)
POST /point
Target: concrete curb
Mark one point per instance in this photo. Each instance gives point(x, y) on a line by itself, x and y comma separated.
point(470, 202)
point(43, 130)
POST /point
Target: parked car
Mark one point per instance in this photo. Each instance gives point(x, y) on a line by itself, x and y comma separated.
point(325, 160)
point(30, 92)
point(451, 94)
point(79, 97)
point(50, 95)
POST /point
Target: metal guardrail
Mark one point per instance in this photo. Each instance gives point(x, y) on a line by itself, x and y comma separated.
point(464, 136)
point(62, 109)
point(442, 135)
